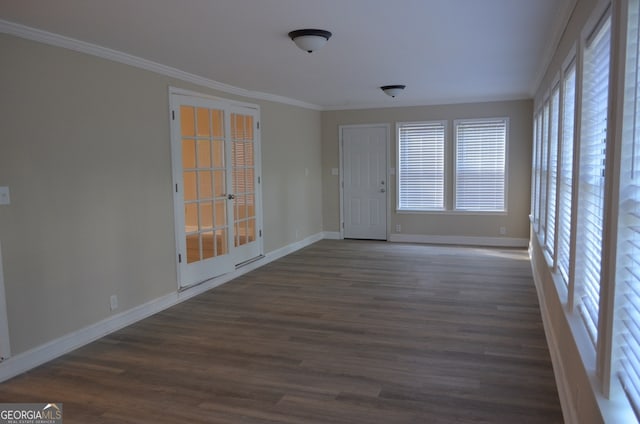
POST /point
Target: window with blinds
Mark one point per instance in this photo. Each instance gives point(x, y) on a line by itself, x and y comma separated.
point(535, 183)
point(566, 171)
point(480, 165)
point(628, 252)
point(554, 112)
point(421, 166)
point(591, 174)
point(544, 171)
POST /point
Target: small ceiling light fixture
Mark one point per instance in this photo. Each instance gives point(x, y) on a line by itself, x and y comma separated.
point(392, 90)
point(310, 40)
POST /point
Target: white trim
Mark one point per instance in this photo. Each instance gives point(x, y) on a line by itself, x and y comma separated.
point(58, 40)
point(428, 102)
point(55, 348)
point(288, 249)
point(453, 161)
point(447, 157)
point(552, 44)
point(332, 235)
point(616, 409)
point(41, 36)
point(460, 240)
point(564, 391)
point(5, 343)
point(230, 102)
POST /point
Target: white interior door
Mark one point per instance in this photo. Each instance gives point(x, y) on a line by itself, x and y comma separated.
point(215, 154)
point(364, 178)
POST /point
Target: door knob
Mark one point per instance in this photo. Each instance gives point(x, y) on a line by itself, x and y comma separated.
point(231, 196)
point(382, 190)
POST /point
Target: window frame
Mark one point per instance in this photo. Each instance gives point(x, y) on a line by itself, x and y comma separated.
point(445, 146)
point(454, 167)
point(551, 236)
point(569, 66)
point(599, 360)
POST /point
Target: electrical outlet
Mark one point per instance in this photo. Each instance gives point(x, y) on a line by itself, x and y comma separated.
point(113, 302)
point(503, 230)
point(398, 228)
point(4, 196)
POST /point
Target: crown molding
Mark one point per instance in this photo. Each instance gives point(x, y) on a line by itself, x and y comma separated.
point(553, 43)
point(58, 40)
point(394, 103)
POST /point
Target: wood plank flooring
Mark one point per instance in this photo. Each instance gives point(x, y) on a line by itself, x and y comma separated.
point(339, 332)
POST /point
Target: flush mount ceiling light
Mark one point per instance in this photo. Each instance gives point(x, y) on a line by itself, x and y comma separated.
point(310, 40)
point(392, 90)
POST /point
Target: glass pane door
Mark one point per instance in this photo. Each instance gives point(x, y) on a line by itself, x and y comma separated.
point(202, 212)
point(203, 167)
point(215, 147)
point(244, 174)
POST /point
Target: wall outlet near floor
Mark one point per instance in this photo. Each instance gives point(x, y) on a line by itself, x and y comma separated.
point(113, 302)
point(4, 196)
point(503, 230)
point(398, 228)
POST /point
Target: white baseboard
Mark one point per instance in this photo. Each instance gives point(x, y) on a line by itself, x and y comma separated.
point(284, 251)
point(30, 359)
point(564, 393)
point(460, 240)
point(39, 355)
point(332, 235)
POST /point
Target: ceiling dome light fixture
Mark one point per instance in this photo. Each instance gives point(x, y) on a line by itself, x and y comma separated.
point(310, 40)
point(392, 90)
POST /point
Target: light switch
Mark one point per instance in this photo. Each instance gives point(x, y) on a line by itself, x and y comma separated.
point(4, 196)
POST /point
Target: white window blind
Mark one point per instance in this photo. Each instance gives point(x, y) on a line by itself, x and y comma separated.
point(591, 174)
point(535, 180)
point(628, 253)
point(480, 165)
point(544, 171)
point(566, 171)
point(421, 165)
point(554, 111)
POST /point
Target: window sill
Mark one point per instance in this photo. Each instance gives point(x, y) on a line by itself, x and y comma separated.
point(616, 408)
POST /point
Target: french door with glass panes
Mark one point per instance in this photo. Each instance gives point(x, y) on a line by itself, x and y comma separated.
point(215, 153)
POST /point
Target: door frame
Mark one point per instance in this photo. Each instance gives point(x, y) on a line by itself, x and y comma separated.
point(5, 341)
point(341, 129)
point(230, 106)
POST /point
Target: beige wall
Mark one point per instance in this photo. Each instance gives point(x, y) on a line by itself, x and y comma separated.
point(519, 168)
point(85, 150)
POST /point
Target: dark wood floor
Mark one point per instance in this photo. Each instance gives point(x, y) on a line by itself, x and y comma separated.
point(340, 332)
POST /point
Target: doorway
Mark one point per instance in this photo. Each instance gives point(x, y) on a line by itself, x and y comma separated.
point(364, 152)
point(217, 195)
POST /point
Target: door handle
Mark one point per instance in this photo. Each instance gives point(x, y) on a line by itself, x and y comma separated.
point(382, 190)
point(231, 196)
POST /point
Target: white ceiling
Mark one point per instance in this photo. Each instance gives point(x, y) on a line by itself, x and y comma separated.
point(445, 51)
